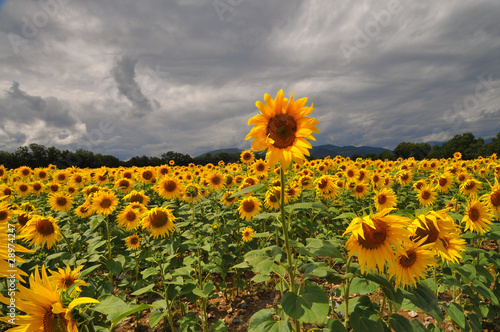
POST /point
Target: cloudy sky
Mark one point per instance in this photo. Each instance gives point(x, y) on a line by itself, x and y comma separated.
point(130, 78)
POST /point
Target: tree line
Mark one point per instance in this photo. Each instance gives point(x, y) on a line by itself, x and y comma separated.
point(36, 155)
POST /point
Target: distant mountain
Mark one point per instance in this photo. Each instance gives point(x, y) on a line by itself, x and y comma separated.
point(321, 151)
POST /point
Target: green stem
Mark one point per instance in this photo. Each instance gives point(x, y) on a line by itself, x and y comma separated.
point(346, 293)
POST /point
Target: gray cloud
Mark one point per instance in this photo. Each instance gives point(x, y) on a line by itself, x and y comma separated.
point(143, 78)
point(124, 75)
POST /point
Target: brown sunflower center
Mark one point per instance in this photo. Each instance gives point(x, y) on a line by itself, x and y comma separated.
point(123, 184)
point(68, 282)
point(382, 199)
point(130, 216)
point(3, 215)
point(443, 182)
point(360, 188)
point(474, 214)
point(404, 177)
point(54, 187)
point(22, 219)
point(54, 322)
point(136, 198)
point(7, 191)
point(26, 172)
point(248, 206)
point(282, 129)
point(350, 173)
point(216, 180)
point(158, 219)
point(495, 198)
point(61, 177)
point(105, 203)
point(408, 260)
point(374, 237)
point(247, 156)
point(147, 175)
point(426, 194)
point(37, 186)
point(470, 185)
point(23, 188)
point(322, 184)
point(44, 227)
point(134, 240)
point(61, 201)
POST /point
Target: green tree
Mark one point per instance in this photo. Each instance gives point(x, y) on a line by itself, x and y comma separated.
point(469, 146)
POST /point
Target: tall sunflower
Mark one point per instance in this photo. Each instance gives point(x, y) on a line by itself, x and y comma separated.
point(426, 195)
point(493, 198)
point(137, 197)
point(159, 221)
point(65, 278)
point(470, 187)
point(129, 218)
point(43, 307)
point(41, 230)
point(247, 234)
point(373, 237)
point(385, 198)
point(133, 242)
point(477, 217)
point(247, 157)
point(60, 201)
point(282, 129)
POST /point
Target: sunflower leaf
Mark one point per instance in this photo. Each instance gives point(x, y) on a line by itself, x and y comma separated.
point(249, 189)
point(310, 305)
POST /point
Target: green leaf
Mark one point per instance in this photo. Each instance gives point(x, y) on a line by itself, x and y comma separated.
point(306, 205)
point(86, 272)
point(218, 326)
point(207, 291)
point(475, 322)
point(188, 322)
point(263, 320)
point(250, 189)
point(425, 299)
point(116, 309)
point(156, 317)
point(362, 324)
point(334, 325)
point(114, 267)
point(311, 305)
point(322, 248)
point(362, 286)
point(149, 272)
point(456, 313)
point(400, 323)
point(484, 291)
point(143, 290)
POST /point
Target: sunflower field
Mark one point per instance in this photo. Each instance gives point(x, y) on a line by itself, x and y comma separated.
point(281, 244)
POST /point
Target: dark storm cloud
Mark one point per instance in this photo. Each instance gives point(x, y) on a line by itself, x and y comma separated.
point(125, 77)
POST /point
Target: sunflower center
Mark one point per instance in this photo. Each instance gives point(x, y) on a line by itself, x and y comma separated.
point(61, 177)
point(248, 206)
point(105, 203)
point(54, 322)
point(426, 194)
point(23, 188)
point(443, 182)
point(22, 219)
point(404, 177)
point(134, 241)
point(7, 191)
point(216, 180)
point(495, 198)
point(470, 185)
point(282, 129)
point(136, 198)
point(247, 156)
point(123, 184)
point(61, 201)
point(360, 188)
point(350, 173)
point(130, 216)
point(170, 186)
point(45, 227)
point(474, 214)
point(382, 199)
point(42, 175)
point(147, 175)
point(54, 187)
point(37, 186)
point(68, 282)
point(322, 184)
point(26, 172)
point(374, 237)
point(158, 219)
point(408, 260)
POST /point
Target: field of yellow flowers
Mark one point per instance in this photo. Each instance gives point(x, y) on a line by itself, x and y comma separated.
point(345, 245)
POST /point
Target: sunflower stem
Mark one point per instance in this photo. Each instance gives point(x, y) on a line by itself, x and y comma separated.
point(346, 293)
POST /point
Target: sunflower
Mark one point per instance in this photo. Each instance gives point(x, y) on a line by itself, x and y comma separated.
point(60, 201)
point(5, 213)
point(169, 188)
point(470, 187)
point(227, 199)
point(385, 199)
point(493, 198)
point(137, 197)
point(426, 195)
point(133, 242)
point(6, 191)
point(404, 177)
point(104, 202)
point(373, 237)
point(41, 230)
point(24, 171)
point(2, 171)
point(42, 304)
point(64, 279)
point(22, 189)
point(478, 217)
point(53, 187)
point(249, 208)
point(324, 185)
point(123, 185)
point(444, 182)
point(272, 198)
point(146, 175)
point(192, 192)
point(282, 129)
point(438, 229)
point(215, 181)
point(259, 167)
point(361, 190)
point(159, 221)
point(37, 187)
point(7, 256)
point(85, 210)
point(247, 157)
point(411, 265)
point(129, 218)
point(247, 234)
